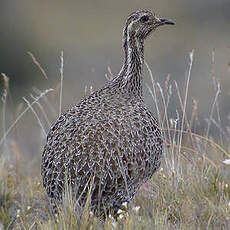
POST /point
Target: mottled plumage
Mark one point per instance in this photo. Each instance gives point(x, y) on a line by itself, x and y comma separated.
point(110, 140)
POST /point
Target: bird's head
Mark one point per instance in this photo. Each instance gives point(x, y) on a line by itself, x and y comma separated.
point(141, 23)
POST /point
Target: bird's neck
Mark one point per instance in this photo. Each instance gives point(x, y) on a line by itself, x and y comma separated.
point(131, 72)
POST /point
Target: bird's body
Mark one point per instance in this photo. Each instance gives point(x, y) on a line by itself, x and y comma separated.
point(109, 143)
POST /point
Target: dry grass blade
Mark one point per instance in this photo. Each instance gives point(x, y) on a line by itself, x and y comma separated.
point(51, 107)
point(215, 83)
point(38, 65)
point(42, 109)
point(186, 97)
point(5, 81)
point(154, 92)
point(35, 114)
point(218, 91)
point(4, 98)
point(109, 76)
point(21, 115)
point(61, 84)
point(205, 139)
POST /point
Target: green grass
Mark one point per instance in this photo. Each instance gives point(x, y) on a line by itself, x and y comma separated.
point(190, 191)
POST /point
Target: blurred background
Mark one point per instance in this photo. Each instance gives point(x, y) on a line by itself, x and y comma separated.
point(89, 33)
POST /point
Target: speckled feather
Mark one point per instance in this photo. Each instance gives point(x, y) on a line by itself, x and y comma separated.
point(110, 140)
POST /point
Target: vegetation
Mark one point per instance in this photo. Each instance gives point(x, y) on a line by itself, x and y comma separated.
point(190, 191)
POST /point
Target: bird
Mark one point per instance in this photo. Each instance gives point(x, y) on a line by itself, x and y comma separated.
point(109, 144)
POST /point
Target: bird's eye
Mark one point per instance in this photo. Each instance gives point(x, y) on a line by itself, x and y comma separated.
point(144, 18)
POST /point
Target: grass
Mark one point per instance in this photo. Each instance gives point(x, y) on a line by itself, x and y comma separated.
point(190, 191)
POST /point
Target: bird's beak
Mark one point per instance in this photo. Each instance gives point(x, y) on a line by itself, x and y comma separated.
point(163, 21)
point(166, 21)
